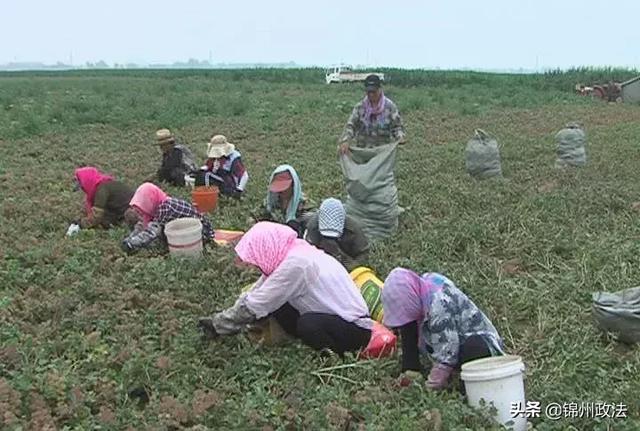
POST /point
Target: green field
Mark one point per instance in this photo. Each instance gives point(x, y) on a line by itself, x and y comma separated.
point(84, 329)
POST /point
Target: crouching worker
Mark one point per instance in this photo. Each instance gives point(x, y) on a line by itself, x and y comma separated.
point(150, 210)
point(433, 316)
point(224, 168)
point(285, 203)
point(337, 234)
point(106, 199)
point(307, 291)
point(177, 160)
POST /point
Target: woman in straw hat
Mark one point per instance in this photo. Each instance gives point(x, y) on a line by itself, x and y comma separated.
point(223, 168)
point(177, 160)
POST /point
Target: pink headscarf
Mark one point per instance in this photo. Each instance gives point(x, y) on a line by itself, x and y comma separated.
point(267, 244)
point(406, 296)
point(147, 199)
point(371, 111)
point(90, 178)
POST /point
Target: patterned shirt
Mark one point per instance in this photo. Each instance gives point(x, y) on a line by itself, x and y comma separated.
point(386, 128)
point(453, 318)
point(173, 208)
point(152, 236)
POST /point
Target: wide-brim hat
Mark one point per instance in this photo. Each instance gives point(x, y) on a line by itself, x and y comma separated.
point(164, 136)
point(219, 147)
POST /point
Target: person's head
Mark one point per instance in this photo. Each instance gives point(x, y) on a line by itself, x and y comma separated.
point(88, 179)
point(331, 218)
point(406, 296)
point(265, 246)
point(373, 87)
point(132, 216)
point(147, 199)
point(219, 147)
point(282, 185)
point(165, 140)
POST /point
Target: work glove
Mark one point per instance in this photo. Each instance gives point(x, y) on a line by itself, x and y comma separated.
point(410, 376)
point(73, 229)
point(439, 376)
point(189, 180)
point(127, 246)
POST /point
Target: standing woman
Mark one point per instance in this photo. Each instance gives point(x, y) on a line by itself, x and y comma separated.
point(308, 292)
point(434, 317)
point(374, 121)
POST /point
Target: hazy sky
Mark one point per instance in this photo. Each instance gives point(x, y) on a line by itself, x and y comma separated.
point(405, 33)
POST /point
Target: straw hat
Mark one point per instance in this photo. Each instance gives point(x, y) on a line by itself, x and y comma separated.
point(164, 136)
point(219, 146)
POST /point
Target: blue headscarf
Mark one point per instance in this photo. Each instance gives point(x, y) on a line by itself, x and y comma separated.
point(296, 198)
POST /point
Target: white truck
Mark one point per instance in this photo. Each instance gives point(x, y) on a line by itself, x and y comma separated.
point(338, 74)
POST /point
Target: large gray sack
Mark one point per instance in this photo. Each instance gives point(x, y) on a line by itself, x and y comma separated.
point(570, 146)
point(372, 196)
point(482, 156)
point(619, 312)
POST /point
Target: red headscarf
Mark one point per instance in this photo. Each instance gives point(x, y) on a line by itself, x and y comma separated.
point(90, 178)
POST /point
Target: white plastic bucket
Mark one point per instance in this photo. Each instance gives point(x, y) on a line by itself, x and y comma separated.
point(184, 236)
point(497, 380)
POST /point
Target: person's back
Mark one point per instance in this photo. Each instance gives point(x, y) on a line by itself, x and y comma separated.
point(113, 198)
point(177, 160)
point(454, 317)
point(350, 248)
point(327, 287)
point(176, 163)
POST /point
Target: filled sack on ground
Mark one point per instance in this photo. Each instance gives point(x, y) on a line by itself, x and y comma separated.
point(619, 313)
point(482, 156)
point(570, 146)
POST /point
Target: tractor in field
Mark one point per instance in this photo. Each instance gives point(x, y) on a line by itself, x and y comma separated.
point(611, 92)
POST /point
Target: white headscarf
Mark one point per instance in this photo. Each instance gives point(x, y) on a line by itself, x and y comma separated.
point(331, 218)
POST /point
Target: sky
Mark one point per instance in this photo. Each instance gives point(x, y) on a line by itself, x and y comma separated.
point(446, 34)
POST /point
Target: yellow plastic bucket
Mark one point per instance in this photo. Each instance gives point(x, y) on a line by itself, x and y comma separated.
point(371, 288)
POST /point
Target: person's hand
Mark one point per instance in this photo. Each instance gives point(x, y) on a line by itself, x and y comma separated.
point(189, 180)
point(439, 376)
point(410, 376)
point(343, 148)
point(205, 324)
